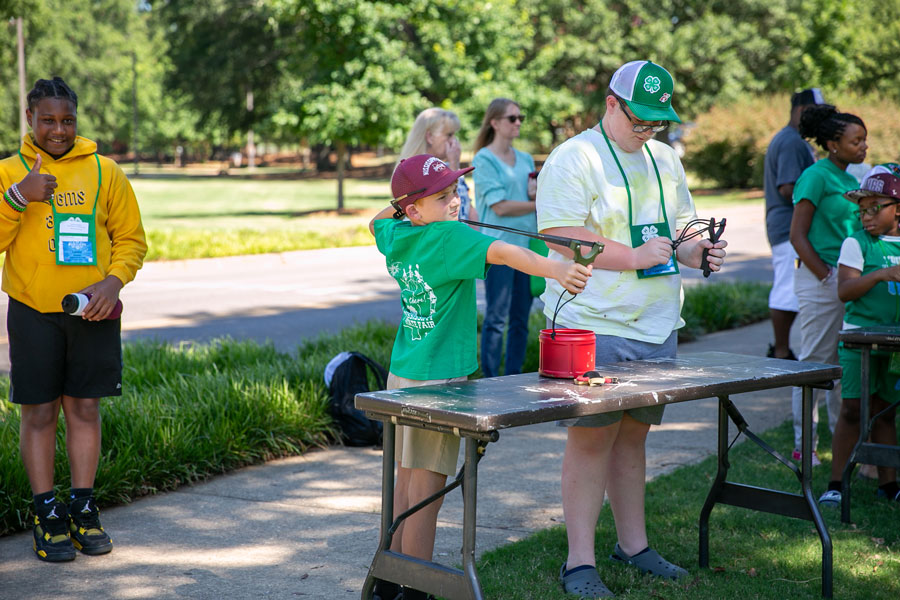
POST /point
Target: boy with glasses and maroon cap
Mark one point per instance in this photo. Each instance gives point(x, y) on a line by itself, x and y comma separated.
point(435, 259)
point(869, 283)
point(616, 185)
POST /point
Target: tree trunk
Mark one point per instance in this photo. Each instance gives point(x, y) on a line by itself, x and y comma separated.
point(341, 148)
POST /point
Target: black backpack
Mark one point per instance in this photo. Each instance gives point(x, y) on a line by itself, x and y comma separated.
point(349, 378)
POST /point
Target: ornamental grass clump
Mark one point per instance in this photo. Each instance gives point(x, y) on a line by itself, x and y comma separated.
point(187, 412)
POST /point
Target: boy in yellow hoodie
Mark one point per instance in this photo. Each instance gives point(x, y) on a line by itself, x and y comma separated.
point(69, 222)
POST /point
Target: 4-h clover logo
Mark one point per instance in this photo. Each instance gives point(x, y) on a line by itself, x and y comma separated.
point(649, 232)
point(651, 84)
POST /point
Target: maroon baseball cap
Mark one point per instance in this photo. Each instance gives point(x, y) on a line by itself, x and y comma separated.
point(883, 184)
point(419, 176)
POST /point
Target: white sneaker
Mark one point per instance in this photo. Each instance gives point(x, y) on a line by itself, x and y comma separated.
point(830, 499)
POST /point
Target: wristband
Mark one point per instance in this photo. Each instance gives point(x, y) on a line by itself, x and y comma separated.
point(17, 195)
point(827, 275)
point(14, 204)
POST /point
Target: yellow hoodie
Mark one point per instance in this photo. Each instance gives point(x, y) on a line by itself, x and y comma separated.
point(30, 273)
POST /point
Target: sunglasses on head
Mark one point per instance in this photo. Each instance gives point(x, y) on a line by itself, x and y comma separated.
point(514, 118)
point(638, 128)
point(874, 209)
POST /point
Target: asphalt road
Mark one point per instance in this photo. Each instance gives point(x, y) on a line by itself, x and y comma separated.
point(291, 296)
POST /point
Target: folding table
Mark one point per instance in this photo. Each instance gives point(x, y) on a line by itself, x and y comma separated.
point(867, 340)
point(477, 410)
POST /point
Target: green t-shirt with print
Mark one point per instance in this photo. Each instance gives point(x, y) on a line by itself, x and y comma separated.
point(881, 304)
point(436, 266)
point(824, 184)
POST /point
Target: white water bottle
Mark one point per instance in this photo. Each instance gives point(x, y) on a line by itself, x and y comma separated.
point(74, 304)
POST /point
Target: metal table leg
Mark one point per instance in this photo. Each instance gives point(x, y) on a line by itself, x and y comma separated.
point(864, 451)
point(865, 356)
point(470, 489)
point(387, 503)
point(419, 574)
point(802, 506)
point(717, 485)
point(806, 486)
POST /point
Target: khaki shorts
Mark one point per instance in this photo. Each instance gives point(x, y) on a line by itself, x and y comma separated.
point(417, 448)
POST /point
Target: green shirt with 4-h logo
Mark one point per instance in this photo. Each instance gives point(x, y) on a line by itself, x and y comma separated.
point(436, 266)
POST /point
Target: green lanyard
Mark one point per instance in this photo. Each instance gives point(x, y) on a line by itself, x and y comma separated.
point(625, 179)
point(99, 185)
point(75, 240)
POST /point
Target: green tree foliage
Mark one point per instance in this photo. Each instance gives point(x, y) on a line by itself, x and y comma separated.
point(220, 50)
point(89, 43)
point(347, 73)
point(358, 86)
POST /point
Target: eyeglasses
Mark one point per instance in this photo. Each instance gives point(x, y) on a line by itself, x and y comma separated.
point(514, 118)
point(638, 128)
point(874, 209)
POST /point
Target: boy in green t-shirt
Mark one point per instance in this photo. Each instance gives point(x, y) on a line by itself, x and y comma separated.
point(436, 259)
point(869, 282)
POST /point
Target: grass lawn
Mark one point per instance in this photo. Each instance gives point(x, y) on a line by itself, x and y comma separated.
point(190, 217)
point(198, 217)
point(752, 555)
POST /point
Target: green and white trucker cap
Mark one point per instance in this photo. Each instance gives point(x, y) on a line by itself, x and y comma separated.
point(647, 90)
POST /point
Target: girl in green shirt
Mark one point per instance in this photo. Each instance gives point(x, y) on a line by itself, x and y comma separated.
point(822, 219)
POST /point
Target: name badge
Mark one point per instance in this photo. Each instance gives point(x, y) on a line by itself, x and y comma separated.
point(75, 240)
point(641, 234)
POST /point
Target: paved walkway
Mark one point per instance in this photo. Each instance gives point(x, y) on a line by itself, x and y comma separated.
point(307, 526)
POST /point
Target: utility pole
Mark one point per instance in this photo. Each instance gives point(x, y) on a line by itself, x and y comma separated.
point(134, 113)
point(20, 37)
point(251, 146)
point(142, 6)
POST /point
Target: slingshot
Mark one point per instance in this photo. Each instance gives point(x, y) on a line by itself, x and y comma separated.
point(572, 244)
point(712, 227)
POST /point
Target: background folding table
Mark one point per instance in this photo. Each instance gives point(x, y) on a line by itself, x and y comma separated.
point(867, 340)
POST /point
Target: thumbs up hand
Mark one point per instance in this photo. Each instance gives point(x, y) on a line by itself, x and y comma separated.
point(37, 187)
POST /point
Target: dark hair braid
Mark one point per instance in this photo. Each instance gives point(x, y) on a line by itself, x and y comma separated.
point(823, 123)
point(50, 88)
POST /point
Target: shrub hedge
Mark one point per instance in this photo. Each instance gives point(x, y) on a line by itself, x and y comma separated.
point(727, 144)
point(195, 410)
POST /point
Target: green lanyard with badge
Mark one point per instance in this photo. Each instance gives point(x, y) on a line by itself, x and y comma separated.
point(642, 233)
point(75, 235)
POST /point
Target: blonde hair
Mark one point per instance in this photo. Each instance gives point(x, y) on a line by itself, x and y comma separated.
point(494, 110)
point(429, 120)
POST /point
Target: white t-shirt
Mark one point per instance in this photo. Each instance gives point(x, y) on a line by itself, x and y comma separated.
point(581, 186)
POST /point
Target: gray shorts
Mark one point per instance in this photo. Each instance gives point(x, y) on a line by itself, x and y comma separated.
point(611, 349)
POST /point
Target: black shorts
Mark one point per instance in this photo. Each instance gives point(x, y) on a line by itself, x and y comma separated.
point(52, 354)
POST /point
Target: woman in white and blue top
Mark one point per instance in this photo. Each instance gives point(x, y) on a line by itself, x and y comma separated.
point(434, 132)
point(504, 193)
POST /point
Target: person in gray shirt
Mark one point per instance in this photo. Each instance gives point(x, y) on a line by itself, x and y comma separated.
point(787, 156)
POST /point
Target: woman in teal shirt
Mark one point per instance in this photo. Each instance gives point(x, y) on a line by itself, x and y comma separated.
point(822, 220)
point(504, 195)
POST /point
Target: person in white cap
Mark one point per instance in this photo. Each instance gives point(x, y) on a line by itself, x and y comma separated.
point(613, 183)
